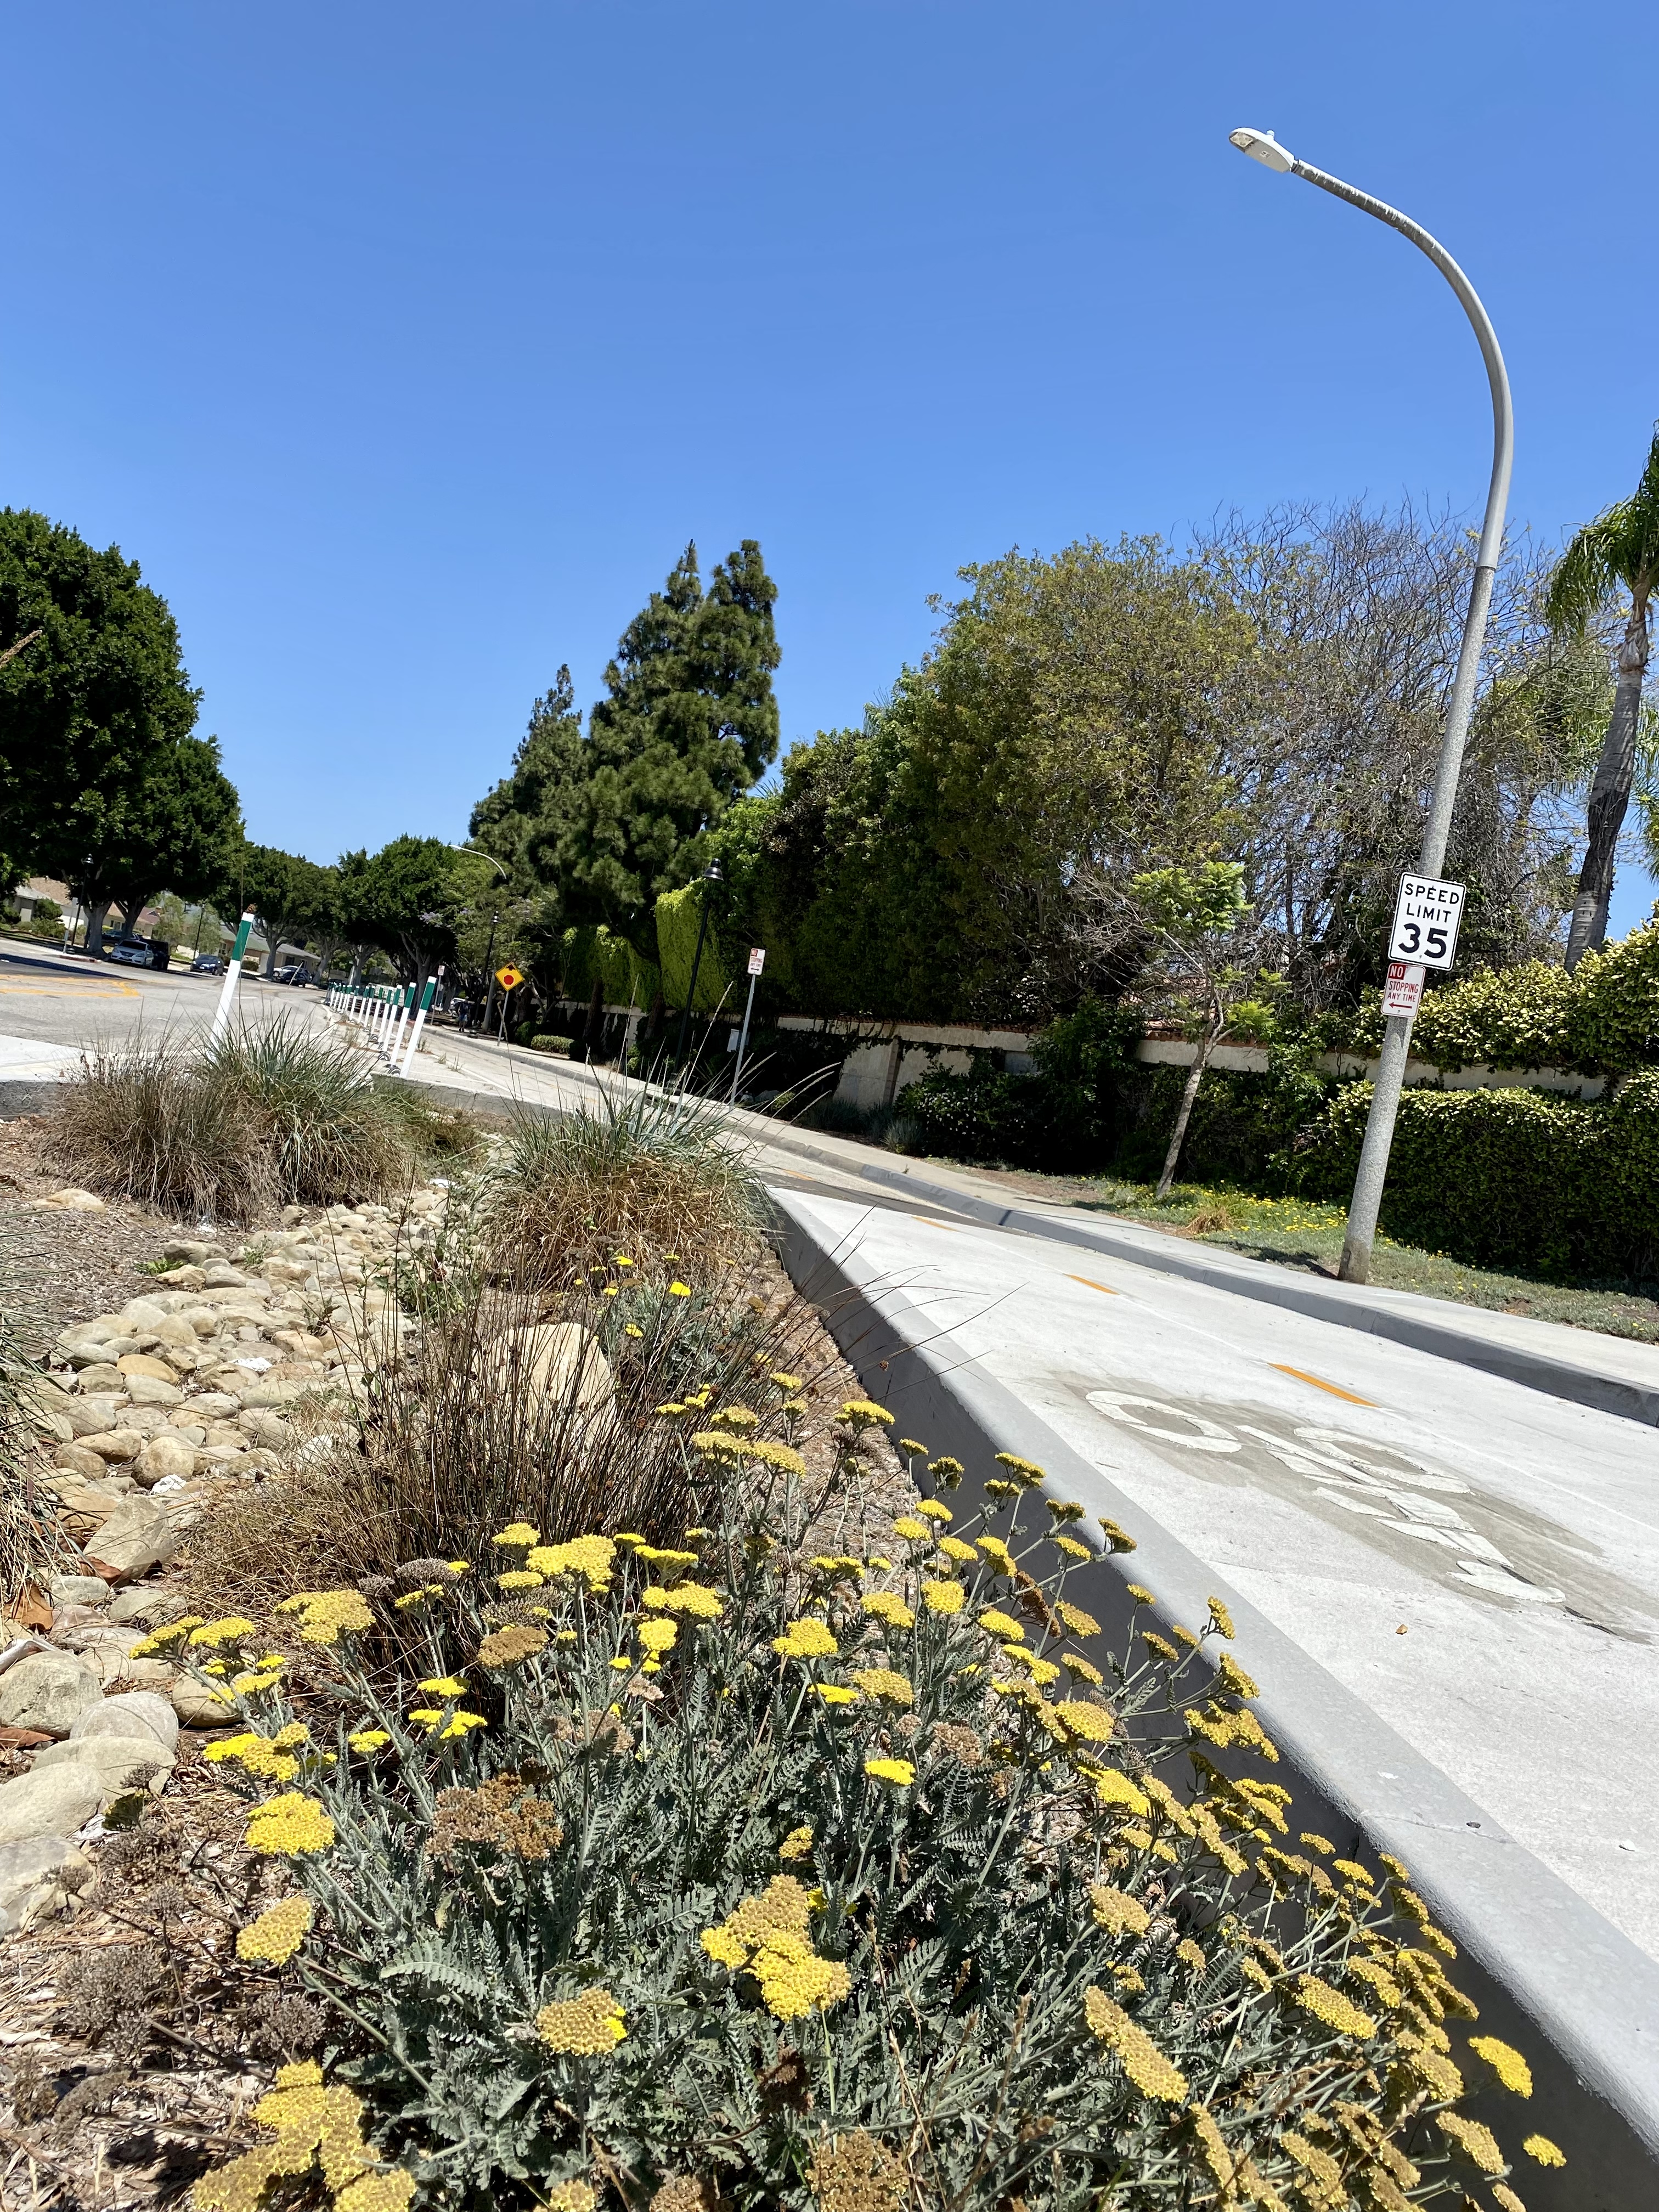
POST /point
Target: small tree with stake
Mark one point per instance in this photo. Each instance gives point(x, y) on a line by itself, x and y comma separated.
point(1198, 918)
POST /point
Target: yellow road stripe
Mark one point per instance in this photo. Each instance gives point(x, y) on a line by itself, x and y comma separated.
point(1089, 1285)
point(928, 1222)
point(68, 991)
point(1318, 1385)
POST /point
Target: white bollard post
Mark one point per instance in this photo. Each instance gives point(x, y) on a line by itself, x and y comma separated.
point(395, 1038)
point(232, 977)
point(426, 997)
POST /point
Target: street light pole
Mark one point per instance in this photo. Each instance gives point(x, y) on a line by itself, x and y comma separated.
point(1261, 145)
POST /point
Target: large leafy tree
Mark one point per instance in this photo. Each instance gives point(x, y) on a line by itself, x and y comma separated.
point(93, 714)
point(688, 725)
point(168, 830)
point(405, 899)
point(1617, 553)
point(294, 897)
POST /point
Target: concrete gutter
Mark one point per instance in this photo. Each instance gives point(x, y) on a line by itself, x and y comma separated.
point(1549, 1975)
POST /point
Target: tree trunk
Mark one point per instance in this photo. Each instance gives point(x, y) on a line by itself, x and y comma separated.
point(1178, 1135)
point(96, 910)
point(356, 974)
point(1610, 791)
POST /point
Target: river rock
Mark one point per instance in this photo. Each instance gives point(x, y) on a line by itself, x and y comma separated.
point(35, 1877)
point(105, 1378)
point(139, 1314)
point(136, 1536)
point(131, 1713)
point(71, 1201)
point(48, 1691)
point(91, 1414)
point(148, 1608)
point(152, 1390)
point(53, 1802)
point(198, 1706)
point(119, 1763)
point(167, 1453)
point(75, 1459)
point(219, 1275)
point(78, 1590)
point(113, 1444)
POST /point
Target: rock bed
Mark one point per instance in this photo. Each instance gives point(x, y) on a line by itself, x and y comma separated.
point(230, 1363)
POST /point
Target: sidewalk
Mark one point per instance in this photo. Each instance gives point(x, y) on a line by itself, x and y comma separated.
point(1612, 1374)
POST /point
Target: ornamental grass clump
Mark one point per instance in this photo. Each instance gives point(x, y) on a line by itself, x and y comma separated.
point(722, 1871)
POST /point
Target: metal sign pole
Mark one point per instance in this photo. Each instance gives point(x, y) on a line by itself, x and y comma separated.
point(756, 962)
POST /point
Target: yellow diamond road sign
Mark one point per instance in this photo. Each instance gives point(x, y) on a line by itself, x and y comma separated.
point(509, 978)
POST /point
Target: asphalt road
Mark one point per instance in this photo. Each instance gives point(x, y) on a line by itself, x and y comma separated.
point(1477, 1561)
point(61, 1003)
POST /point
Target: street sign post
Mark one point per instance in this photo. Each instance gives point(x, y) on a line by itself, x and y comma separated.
point(1426, 913)
point(509, 978)
point(757, 963)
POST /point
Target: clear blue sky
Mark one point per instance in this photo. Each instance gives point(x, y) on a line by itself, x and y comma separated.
point(406, 346)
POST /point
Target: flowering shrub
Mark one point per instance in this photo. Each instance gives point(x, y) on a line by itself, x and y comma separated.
point(734, 1870)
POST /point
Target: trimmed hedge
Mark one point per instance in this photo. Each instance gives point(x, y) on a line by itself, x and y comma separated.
point(1067, 1112)
point(625, 978)
point(678, 913)
point(1606, 1015)
point(1511, 1178)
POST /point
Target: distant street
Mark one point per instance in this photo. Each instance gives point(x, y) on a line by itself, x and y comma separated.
point(69, 1002)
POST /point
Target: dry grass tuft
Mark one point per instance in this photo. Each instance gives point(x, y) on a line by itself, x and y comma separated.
point(264, 1117)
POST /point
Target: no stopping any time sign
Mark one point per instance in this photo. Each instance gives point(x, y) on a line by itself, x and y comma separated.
point(1425, 918)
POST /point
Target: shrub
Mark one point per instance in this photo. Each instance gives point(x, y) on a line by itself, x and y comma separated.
point(678, 918)
point(141, 1120)
point(722, 1872)
point(559, 1045)
point(1067, 1112)
point(1512, 1178)
point(336, 1139)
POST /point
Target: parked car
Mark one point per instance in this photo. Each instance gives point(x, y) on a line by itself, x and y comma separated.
point(132, 951)
point(296, 972)
point(207, 963)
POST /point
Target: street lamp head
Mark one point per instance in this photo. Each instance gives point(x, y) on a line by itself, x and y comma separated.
point(713, 872)
point(1261, 145)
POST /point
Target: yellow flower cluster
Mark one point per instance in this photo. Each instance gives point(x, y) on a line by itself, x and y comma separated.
point(1477, 2143)
point(1332, 2008)
point(1002, 1626)
point(941, 1597)
point(899, 1771)
point(1073, 1549)
point(864, 1412)
point(311, 2124)
point(590, 1557)
point(446, 1722)
point(1075, 1619)
point(1117, 1912)
point(807, 1638)
point(510, 1646)
point(290, 1826)
point(268, 1758)
point(1151, 2072)
point(885, 1683)
point(834, 1693)
point(367, 1740)
point(797, 1845)
point(175, 1632)
point(519, 1534)
point(912, 1530)
point(1024, 1470)
point(931, 1510)
point(1511, 2067)
point(691, 1599)
point(768, 1935)
point(997, 1553)
point(886, 1607)
point(520, 1579)
point(954, 1548)
point(571, 2197)
point(324, 1614)
point(216, 1633)
point(657, 1636)
point(587, 2027)
point(1084, 1722)
point(278, 1933)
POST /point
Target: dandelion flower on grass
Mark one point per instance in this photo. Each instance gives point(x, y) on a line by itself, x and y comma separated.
point(1151, 2073)
point(278, 1933)
point(587, 2027)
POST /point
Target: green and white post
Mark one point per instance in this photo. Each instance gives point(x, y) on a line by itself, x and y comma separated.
point(420, 1012)
point(233, 977)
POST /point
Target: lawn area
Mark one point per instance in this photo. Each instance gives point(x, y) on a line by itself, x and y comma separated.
point(1305, 1233)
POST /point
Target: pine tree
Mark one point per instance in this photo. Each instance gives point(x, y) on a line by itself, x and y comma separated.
point(688, 725)
point(526, 819)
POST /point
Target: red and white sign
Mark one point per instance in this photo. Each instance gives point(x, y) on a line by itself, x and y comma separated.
point(1403, 992)
point(757, 960)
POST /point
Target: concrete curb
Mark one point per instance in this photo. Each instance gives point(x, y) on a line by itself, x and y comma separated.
point(1418, 1325)
point(21, 1095)
point(1549, 1974)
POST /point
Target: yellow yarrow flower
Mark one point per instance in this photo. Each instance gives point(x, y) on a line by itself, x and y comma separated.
point(913, 1531)
point(1331, 2007)
point(954, 1548)
point(278, 1933)
point(1072, 1548)
point(899, 1771)
point(587, 2027)
point(1511, 2067)
point(888, 1607)
point(367, 1740)
point(931, 1510)
point(292, 1825)
point(863, 1414)
point(679, 1290)
point(1155, 2076)
point(885, 1683)
point(834, 1693)
point(942, 1597)
point(1001, 1625)
point(658, 1635)
point(691, 1599)
point(444, 1685)
point(1546, 2153)
point(231, 1630)
point(808, 1638)
point(797, 1845)
point(997, 1553)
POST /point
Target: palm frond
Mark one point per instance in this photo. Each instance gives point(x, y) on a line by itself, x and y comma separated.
point(1620, 547)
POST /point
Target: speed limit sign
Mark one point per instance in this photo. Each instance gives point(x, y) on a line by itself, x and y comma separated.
point(1425, 918)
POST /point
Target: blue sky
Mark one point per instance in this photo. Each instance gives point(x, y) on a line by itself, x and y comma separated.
point(405, 347)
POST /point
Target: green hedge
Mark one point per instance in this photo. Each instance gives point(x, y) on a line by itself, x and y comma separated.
point(1511, 1178)
point(677, 916)
point(625, 979)
point(1606, 1015)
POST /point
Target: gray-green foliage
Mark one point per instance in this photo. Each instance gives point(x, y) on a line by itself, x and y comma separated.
point(827, 1872)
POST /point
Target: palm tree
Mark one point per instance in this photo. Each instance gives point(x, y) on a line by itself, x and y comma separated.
point(1619, 547)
